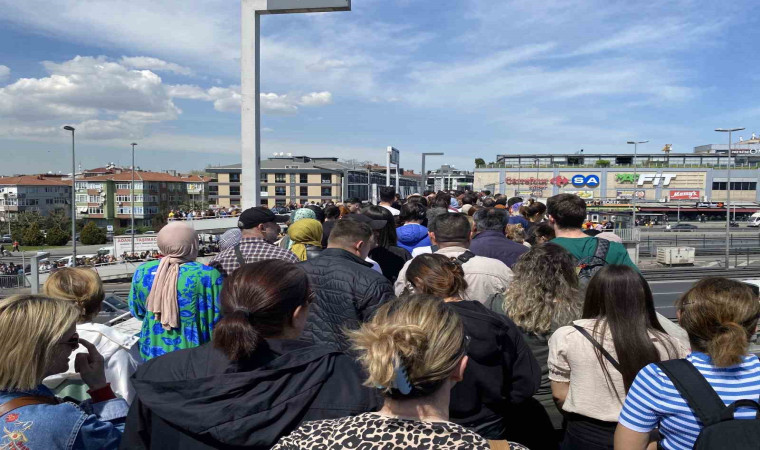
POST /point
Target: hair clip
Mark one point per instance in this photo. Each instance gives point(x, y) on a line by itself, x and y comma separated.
point(402, 382)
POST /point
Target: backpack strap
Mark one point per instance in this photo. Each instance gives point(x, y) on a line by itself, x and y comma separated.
point(433, 248)
point(602, 248)
point(239, 255)
point(598, 346)
point(695, 389)
point(464, 257)
point(18, 402)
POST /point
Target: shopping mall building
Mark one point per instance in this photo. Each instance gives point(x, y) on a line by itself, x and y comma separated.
point(691, 185)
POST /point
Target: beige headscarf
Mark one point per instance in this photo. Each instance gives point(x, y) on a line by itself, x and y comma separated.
point(178, 243)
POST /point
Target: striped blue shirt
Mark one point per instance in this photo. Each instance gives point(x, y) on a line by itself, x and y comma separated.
point(654, 401)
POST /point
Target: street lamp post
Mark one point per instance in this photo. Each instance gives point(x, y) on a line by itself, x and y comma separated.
point(635, 177)
point(728, 191)
point(250, 117)
point(73, 199)
point(423, 183)
point(132, 198)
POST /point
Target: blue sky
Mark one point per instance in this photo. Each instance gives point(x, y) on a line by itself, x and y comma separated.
point(470, 78)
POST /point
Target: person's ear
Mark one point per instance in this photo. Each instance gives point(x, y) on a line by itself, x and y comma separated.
point(298, 320)
point(551, 220)
point(358, 246)
point(431, 235)
point(457, 374)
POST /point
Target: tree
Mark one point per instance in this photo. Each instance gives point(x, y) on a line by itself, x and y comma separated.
point(91, 234)
point(32, 235)
point(479, 162)
point(56, 236)
point(602, 163)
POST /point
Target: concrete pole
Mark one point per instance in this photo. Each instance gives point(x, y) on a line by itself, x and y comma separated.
point(388, 166)
point(728, 202)
point(132, 198)
point(250, 120)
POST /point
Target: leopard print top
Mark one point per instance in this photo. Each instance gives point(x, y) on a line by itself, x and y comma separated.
point(371, 431)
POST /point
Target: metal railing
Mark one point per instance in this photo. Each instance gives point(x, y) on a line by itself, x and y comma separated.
point(628, 234)
point(13, 282)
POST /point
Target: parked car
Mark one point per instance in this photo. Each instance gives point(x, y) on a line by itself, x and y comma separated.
point(683, 227)
point(280, 210)
point(150, 232)
point(131, 231)
point(7, 239)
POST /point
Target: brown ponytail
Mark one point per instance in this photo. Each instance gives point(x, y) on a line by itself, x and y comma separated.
point(436, 275)
point(720, 316)
point(258, 301)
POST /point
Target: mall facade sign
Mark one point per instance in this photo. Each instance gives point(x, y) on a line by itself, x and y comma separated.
point(684, 195)
point(656, 179)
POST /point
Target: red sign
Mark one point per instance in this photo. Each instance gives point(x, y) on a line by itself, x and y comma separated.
point(528, 181)
point(684, 195)
point(560, 181)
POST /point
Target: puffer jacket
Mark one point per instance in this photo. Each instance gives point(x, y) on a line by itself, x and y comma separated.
point(348, 292)
point(412, 235)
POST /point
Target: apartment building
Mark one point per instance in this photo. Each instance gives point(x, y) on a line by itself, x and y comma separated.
point(38, 193)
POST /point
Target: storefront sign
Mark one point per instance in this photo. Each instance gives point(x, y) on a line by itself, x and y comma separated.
point(559, 181)
point(656, 179)
point(710, 205)
point(591, 181)
point(586, 195)
point(684, 195)
point(528, 181)
point(627, 195)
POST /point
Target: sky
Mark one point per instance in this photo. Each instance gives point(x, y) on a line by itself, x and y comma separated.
point(471, 79)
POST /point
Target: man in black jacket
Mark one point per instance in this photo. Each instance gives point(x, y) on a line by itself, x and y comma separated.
point(348, 291)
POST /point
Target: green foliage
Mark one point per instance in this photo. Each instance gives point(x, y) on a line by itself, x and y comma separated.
point(602, 163)
point(479, 162)
point(32, 235)
point(91, 234)
point(56, 237)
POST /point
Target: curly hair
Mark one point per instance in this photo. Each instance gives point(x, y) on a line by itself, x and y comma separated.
point(545, 292)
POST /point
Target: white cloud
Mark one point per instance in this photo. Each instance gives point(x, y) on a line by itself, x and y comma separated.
point(154, 64)
point(228, 99)
point(316, 99)
point(5, 71)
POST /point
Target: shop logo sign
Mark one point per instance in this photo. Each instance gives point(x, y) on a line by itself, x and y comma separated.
point(656, 179)
point(559, 181)
point(591, 181)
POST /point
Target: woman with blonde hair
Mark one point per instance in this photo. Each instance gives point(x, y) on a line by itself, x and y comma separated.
point(680, 397)
point(37, 337)
point(305, 238)
point(414, 351)
point(176, 297)
point(121, 354)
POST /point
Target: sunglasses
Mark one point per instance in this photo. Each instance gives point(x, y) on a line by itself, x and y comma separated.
point(73, 342)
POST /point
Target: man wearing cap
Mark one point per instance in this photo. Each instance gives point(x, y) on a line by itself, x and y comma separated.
point(259, 230)
point(347, 291)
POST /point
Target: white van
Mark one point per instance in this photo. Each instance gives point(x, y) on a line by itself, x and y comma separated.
point(754, 220)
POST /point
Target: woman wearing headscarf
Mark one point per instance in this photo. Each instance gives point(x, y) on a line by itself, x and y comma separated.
point(295, 216)
point(176, 298)
point(306, 238)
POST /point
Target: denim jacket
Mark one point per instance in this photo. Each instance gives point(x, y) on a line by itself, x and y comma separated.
point(64, 426)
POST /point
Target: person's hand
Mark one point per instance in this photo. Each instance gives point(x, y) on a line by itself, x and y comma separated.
point(91, 366)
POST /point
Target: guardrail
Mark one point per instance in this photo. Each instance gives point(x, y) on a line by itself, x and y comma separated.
point(13, 282)
point(694, 273)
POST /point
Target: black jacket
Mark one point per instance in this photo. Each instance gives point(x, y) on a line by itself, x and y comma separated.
point(313, 251)
point(198, 399)
point(347, 293)
point(501, 371)
point(391, 260)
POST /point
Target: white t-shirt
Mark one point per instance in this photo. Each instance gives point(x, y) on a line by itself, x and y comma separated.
point(421, 250)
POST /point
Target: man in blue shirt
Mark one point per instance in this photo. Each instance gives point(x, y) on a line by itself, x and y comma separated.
point(490, 240)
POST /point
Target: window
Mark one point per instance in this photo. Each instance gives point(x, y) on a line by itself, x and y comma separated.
point(326, 178)
point(304, 191)
point(138, 210)
point(93, 199)
point(122, 198)
point(139, 185)
point(279, 178)
point(123, 185)
point(279, 190)
point(81, 185)
point(124, 210)
point(97, 186)
point(94, 210)
point(139, 198)
point(326, 192)
point(303, 178)
point(234, 178)
point(234, 190)
point(82, 198)
point(151, 210)
point(735, 185)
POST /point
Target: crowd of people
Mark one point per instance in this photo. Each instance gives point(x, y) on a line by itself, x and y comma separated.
point(439, 321)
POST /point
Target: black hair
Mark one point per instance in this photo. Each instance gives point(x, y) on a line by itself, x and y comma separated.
point(412, 211)
point(453, 227)
point(387, 235)
point(387, 194)
point(568, 210)
point(491, 219)
point(332, 212)
point(318, 212)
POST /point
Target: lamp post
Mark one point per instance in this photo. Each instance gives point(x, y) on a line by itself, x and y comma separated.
point(250, 117)
point(423, 184)
point(73, 199)
point(728, 191)
point(132, 198)
point(635, 177)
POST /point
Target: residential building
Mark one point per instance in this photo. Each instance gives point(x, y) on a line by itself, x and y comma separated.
point(302, 179)
point(107, 199)
point(38, 193)
point(449, 178)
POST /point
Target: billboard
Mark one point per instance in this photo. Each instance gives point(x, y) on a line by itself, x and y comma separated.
point(684, 195)
point(627, 195)
point(123, 244)
point(585, 195)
